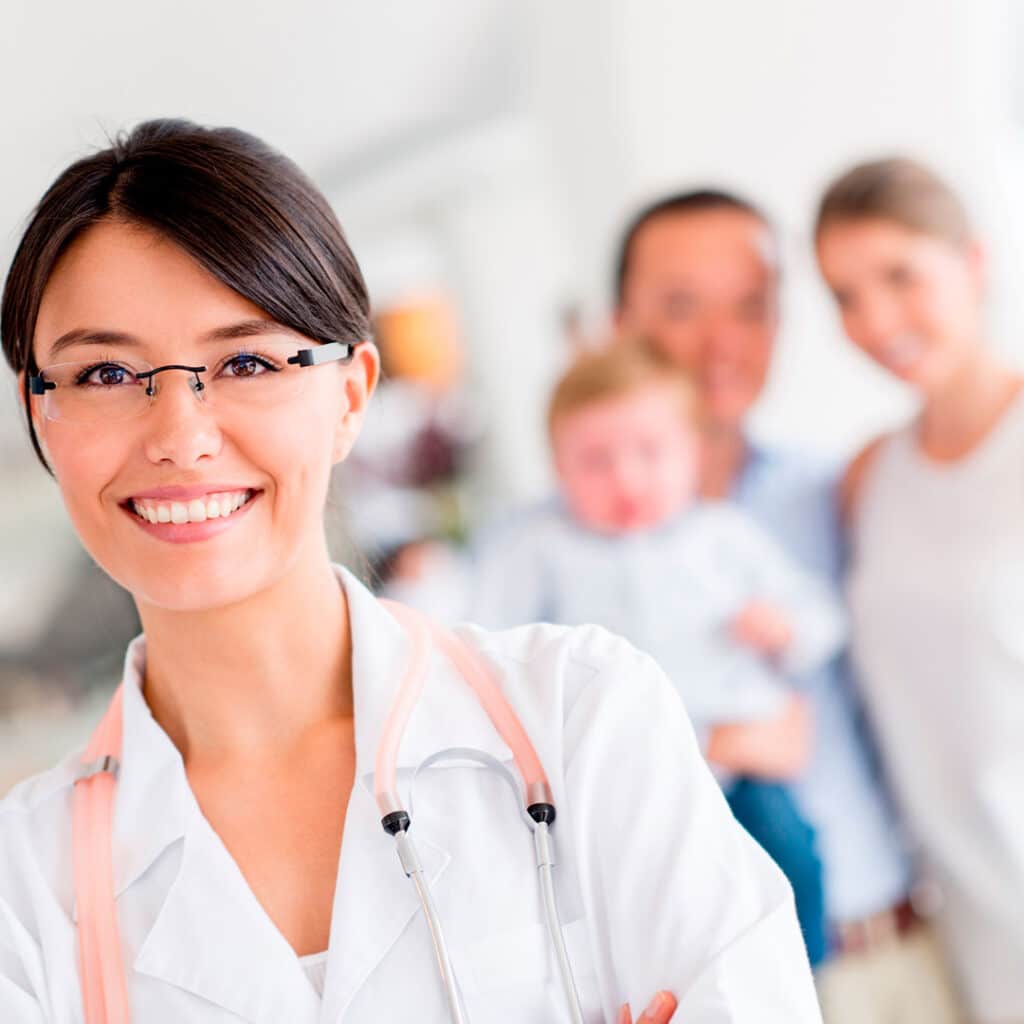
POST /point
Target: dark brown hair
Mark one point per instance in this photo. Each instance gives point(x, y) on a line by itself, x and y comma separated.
point(898, 190)
point(240, 209)
point(703, 200)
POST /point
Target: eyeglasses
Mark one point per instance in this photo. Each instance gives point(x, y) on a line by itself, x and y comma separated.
point(264, 373)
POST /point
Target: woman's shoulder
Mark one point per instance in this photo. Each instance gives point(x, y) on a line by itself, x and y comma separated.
point(32, 810)
point(549, 670)
point(35, 842)
point(589, 647)
point(856, 474)
point(32, 793)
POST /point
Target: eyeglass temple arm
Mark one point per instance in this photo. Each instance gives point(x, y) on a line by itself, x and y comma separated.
point(330, 352)
point(39, 385)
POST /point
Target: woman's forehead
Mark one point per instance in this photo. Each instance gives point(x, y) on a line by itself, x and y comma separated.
point(124, 280)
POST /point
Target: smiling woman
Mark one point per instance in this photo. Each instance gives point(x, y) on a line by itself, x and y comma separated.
point(936, 580)
point(191, 335)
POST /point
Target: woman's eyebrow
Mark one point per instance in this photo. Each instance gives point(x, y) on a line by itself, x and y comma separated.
point(85, 336)
point(243, 329)
point(247, 329)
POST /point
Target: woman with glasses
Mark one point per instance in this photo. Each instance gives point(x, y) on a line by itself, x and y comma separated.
point(190, 334)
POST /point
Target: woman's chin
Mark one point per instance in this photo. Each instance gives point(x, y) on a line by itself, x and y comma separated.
point(186, 589)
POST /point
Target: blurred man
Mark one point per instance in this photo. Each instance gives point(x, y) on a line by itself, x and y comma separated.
point(698, 275)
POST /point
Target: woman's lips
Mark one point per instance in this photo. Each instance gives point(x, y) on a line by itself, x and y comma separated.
point(198, 525)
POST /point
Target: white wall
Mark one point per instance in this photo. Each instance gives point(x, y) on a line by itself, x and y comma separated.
point(772, 99)
point(608, 103)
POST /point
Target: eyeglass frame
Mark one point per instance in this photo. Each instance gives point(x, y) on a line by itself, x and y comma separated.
point(328, 352)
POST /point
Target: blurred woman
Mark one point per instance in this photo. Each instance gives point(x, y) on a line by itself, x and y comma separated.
point(936, 586)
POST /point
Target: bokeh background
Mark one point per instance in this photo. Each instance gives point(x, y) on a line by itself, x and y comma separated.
point(482, 157)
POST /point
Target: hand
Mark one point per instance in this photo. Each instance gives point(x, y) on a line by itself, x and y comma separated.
point(777, 748)
point(659, 1011)
point(764, 628)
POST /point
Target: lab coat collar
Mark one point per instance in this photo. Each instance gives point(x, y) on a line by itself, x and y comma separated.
point(211, 937)
point(209, 952)
point(154, 803)
point(446, 715)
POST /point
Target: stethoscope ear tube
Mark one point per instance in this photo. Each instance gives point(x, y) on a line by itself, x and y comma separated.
point(544, 849)
point(410, 861)
point(539, 811)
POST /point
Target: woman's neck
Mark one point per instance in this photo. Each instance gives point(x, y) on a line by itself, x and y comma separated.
point(958, 417)
point(724, 453)
point(255, 677)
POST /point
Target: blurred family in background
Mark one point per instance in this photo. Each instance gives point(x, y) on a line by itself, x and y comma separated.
point(847, 640)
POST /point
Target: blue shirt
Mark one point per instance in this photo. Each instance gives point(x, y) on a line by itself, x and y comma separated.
point(867, 869)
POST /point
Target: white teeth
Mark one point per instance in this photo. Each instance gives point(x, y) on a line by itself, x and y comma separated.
point(198, 510)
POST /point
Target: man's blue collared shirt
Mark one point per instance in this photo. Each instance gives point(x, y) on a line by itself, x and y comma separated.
point(867, 869)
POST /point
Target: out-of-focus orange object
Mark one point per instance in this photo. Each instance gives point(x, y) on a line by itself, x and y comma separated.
point(419, 340)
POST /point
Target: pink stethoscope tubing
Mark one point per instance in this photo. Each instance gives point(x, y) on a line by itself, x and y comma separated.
point(104, 988)
point(474, 671)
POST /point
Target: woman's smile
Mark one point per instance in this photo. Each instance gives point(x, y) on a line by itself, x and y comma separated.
point(190, 518)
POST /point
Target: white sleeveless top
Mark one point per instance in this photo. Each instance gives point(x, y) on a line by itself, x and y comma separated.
point(936, 593)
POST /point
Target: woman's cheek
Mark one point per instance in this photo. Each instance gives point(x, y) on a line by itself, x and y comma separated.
point(293, 456)
point(84, 464)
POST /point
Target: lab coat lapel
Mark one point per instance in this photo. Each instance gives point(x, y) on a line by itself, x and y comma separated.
point(213, 939)
point(446, 715)
point(153, 801)
point(374, 902)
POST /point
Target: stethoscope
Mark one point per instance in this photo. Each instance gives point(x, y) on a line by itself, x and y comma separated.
point(101, 966)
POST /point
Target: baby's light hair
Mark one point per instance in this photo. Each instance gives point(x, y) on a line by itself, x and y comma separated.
point(615, 370)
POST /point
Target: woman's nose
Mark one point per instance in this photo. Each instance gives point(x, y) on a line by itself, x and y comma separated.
point(180, 426)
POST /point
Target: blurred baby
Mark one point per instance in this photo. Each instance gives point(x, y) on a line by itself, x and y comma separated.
point(629, 545)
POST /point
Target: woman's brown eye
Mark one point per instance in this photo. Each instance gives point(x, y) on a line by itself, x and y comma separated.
point(244, 366)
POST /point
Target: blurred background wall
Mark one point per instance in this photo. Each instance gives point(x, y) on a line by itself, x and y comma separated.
point(483, 157)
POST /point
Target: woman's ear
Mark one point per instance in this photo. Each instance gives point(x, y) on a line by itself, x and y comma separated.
point(361, 377)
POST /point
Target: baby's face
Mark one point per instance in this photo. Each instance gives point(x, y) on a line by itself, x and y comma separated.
point(627, 463)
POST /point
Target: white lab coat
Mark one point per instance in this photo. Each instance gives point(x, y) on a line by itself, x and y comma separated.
point(657, 885)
